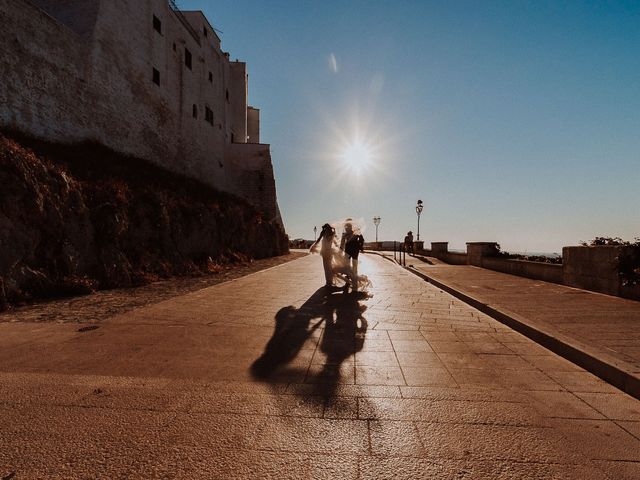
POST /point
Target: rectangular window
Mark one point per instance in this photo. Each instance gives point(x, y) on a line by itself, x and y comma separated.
point(204, 29)
point(210, 77)
point(208, 115)
point(157, 25)
point(195, 111)
point(156, 76)
point(187, 58)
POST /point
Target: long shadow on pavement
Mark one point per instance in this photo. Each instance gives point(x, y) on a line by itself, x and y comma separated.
point(293, 328)
point(344, 334)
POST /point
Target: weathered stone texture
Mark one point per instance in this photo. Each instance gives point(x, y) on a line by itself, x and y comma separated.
point(253, 125)
point(79, 70)
point(592, 268)
point(78, 16)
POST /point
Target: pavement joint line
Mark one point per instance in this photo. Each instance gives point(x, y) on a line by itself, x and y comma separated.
point(607, 371)
point(620, 423)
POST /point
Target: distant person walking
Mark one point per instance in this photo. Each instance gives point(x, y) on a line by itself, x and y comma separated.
point(326, 240)
point(408, 242)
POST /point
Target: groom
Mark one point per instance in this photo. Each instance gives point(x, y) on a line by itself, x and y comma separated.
point(352, 244)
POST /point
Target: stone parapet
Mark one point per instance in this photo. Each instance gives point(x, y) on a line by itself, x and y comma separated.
point(454, 258)
point(548, 272)
point(592, 268)
point(477, 250)
point(438, 248)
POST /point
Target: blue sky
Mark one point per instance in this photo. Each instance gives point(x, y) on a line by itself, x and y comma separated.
point(516, 122)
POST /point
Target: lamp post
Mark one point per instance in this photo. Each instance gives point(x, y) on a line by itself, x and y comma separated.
point(419, 208)
point(315, 229)
point(376, 222)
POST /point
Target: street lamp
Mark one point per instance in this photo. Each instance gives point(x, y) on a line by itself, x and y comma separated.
point(376, 222)
point(419, 208)
point(315, 229)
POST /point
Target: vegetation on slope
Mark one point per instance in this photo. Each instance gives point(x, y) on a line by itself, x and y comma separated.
point(78, 218)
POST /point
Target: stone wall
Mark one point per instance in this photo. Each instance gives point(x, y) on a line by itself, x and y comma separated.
point(596, 268)
point(80, 17)
point(548, 272)
point(44, 74)
point(592, 268)
point(454, 258)
point(253, 125)
point(483, 254)
point(477, 250)
point(237, 101)
point(254, 179)
point(76, 70)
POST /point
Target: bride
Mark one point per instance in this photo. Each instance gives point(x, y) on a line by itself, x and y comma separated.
point(326, 239)
point(341, 261)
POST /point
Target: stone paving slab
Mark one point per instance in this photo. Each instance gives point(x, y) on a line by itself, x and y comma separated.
point(599, 332)
point(269, 376)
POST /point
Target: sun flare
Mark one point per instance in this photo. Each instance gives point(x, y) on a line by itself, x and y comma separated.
point(354, 150)
point(357, 157)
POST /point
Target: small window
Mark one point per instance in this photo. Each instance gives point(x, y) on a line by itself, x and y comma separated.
point(227, 95)
point(208, 115)
point(194, 111)
point(187, 58)
point(210, 77)
point(204, 30)
point(233, 138)
point(157, 25)
point(174, 46)
point(156, 76)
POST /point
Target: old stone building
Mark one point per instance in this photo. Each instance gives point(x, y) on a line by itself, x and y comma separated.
point(140, 77)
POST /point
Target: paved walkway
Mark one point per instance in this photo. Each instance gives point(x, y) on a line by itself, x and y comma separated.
point(267, 376)
point(108, 303)
point(598, 331)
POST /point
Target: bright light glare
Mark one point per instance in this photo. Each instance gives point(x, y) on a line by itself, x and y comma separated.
point(357, 157)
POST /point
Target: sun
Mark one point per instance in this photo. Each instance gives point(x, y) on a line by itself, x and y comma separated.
point(357, 157)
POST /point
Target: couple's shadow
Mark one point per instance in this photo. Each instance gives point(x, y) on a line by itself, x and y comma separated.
point(345, 328)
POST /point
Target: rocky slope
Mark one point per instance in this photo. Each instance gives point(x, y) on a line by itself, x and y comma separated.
point(78, 218)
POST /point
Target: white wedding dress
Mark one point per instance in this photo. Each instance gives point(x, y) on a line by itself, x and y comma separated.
point(337, 264)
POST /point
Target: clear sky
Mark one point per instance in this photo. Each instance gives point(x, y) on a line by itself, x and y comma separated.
point(515, 121)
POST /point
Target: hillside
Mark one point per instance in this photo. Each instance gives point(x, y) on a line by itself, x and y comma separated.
point(79, 218)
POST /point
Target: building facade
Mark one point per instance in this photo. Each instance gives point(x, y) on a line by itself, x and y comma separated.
point(140, 77)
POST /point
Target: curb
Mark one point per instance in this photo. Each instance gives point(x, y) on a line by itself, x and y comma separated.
point(558, 344)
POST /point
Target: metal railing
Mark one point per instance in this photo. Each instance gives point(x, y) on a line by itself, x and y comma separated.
point(400, 253)
point(184, 21)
